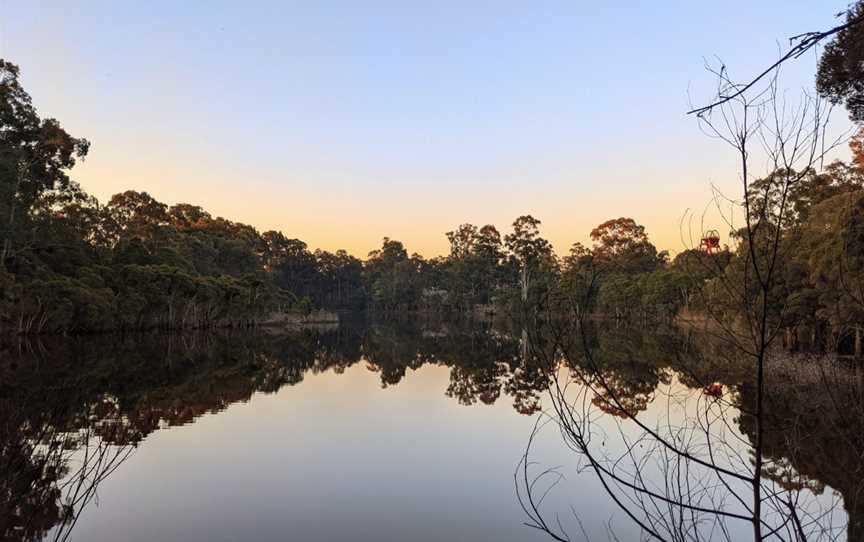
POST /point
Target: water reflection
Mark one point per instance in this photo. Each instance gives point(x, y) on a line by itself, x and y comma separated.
point(684, 471)
point(72, 410)
point(815, 434)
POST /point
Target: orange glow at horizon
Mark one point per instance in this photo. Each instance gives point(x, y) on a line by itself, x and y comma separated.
point(399, 120)
point(357, 220)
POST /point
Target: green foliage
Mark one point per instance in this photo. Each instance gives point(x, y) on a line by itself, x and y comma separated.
point(622, 245)
point(819, 279)
point(662, 289)
point(35, 157)
point(841, 67)
point(71, 264)
point(532, 258)
point(393, 278)
point(833, 240)
point(473, 273)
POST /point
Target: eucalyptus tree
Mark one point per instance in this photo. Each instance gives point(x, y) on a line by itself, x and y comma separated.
point(392, 277)
point(36, 155)
point(489, 251)
point(840, 76)
point(530, 253)
point(474, 265)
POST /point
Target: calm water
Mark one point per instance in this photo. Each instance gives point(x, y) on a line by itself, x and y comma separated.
point(384, 432)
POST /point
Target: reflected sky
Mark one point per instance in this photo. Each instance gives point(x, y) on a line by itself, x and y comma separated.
point(336, 457)
point(379, 432)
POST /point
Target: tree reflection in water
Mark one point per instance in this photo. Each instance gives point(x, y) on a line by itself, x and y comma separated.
point(53, 464)
point(72, 410)
point(680, 473)
point(816, 439)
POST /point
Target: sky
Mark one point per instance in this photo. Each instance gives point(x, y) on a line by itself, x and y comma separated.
point(341, 123)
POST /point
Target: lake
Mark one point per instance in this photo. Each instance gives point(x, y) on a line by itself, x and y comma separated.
point(363, 431)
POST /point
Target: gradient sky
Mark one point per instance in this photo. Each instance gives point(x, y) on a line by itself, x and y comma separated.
point(343, 122)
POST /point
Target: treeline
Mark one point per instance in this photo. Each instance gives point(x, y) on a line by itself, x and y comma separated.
point(818, 296)
point(70, 263)
point(136, 263)
point(621, 274)
point(819, 293)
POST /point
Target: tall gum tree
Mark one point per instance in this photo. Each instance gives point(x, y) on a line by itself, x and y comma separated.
point(528, 250)
point(35, 156)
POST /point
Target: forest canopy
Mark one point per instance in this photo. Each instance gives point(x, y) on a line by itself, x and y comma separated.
point(71, 263)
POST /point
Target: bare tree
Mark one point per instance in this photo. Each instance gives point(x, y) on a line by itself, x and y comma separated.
point(692, 475)
point(798, 46)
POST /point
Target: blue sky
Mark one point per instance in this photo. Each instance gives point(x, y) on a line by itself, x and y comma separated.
point(343, 122)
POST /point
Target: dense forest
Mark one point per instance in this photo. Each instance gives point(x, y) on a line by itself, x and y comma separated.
point(70, 263)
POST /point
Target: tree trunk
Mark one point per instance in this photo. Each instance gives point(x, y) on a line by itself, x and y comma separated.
point(857, 342)
point(525, 282)
point(7, 238)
